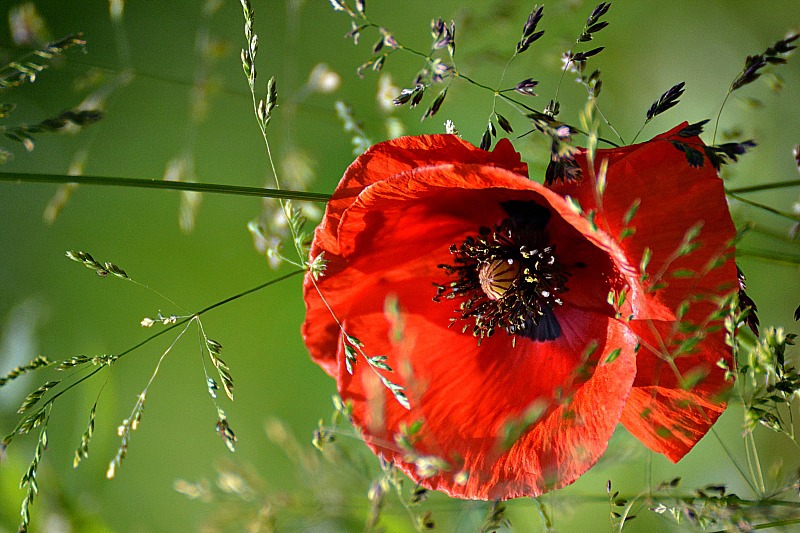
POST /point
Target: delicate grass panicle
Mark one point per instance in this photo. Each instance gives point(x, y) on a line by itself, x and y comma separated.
point(25, 70)
point(44, 397)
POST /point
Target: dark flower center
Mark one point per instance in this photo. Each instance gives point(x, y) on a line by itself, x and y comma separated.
point(508, 277)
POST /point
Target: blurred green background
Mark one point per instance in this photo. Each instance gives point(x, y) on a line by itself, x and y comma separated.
point(169, 78)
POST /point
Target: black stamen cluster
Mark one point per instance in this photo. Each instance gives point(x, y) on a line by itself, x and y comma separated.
point(526, 307)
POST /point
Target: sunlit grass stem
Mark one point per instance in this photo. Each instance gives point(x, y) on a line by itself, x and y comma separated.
point(214, 188)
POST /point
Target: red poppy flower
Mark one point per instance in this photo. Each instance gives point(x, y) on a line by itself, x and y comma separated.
point(465, 312)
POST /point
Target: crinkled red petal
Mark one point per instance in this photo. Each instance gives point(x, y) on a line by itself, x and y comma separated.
point(473, 401)
point(670, 409)
point(381, 162)
point(469, 398)
point(389, 158)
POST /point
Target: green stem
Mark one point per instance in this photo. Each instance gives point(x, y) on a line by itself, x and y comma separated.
point(7, 440)
point(412, 51)
point(457, 74)
point(514, 102)
point(609, 124)
point(21, 177)
point(782, 236)
point(646, 122)
point(778, 212)
point(765, 186)
point(719, 115)
point(767, 256)
point(734, 461)
point(94, 371)
point(757, 464)
point(210, 307)
point(769, 525)
point(250, 291)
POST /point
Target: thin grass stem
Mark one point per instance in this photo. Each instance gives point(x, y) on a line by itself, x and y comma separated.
point(216, 188)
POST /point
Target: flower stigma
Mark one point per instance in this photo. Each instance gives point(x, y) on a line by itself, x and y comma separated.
point(508, 277)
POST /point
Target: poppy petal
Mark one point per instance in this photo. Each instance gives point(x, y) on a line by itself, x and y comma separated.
point(389, 158)
point(390, 241)
point(491, 412)
point(679, 391)
point(378, 163)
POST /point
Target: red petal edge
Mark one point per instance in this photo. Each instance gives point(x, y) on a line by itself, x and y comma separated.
point(378, 163)
point(663, 412)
